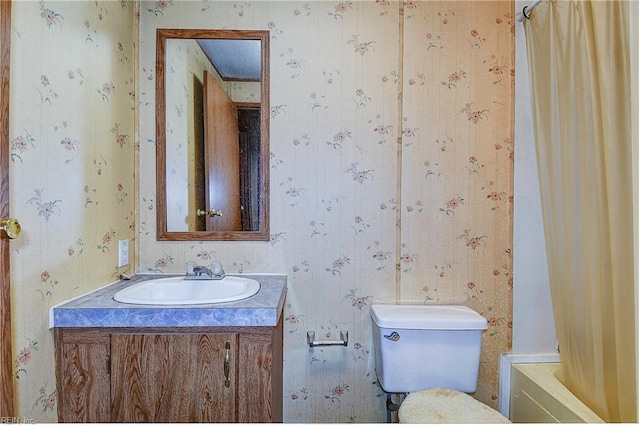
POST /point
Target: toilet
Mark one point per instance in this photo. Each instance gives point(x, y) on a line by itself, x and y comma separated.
point(431, 352)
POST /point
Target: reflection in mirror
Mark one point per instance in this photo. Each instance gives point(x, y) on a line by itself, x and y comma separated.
point(212, 108)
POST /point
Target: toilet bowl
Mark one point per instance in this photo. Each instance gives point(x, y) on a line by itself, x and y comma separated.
point(431, 352)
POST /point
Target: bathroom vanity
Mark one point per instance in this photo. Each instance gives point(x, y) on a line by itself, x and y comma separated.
point(120, 362)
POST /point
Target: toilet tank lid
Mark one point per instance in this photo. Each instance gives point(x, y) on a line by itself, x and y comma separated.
point(427, 317)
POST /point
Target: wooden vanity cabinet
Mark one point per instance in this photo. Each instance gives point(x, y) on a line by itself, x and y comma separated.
point(166, 375)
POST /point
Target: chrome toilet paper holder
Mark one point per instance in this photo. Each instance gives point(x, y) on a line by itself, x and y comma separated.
point(312, 342)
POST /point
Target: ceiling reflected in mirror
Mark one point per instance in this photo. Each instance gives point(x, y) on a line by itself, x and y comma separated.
point(234, 59)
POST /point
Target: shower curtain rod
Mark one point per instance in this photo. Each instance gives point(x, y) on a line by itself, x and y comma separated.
point(526, 11)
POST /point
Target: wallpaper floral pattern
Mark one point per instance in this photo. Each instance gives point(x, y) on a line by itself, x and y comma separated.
point(457, 168)
point(391, 174)
point(72, 115)
point(391, 177)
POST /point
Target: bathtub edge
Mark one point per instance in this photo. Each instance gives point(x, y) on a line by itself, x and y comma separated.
point(506, 360)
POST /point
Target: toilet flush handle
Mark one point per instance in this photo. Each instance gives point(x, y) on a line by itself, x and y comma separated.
point(394, 337)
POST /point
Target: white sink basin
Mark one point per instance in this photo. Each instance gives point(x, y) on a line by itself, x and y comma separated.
point(179, 291)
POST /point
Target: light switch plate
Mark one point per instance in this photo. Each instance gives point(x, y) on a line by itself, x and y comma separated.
point(123, 253)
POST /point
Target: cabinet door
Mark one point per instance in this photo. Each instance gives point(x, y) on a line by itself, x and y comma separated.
point(165, 377)
point(82, 382)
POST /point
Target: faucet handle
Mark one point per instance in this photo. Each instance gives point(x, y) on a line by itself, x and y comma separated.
point(216, 268)
point(191, 265)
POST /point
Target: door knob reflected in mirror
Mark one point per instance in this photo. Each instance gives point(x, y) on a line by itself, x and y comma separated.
point(11, 227)
point(210, 213)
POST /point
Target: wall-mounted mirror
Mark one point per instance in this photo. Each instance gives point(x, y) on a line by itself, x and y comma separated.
point(212, 135)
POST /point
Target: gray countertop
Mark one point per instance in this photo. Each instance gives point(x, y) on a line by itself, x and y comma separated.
point(99, 309)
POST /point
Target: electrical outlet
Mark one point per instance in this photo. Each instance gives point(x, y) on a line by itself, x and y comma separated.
point(123, 253)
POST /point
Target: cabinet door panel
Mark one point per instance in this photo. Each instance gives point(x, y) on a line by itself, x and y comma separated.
point(167, 377)
point(83, 395)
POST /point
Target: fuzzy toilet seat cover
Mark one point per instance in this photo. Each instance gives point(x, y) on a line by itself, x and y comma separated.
point(439, 405)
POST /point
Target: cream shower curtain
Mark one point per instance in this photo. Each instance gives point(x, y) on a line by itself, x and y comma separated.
point(578, 54)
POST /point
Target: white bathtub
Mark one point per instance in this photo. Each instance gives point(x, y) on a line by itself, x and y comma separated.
point(536, 396)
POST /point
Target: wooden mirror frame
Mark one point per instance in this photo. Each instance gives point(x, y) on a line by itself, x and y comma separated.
point(161, 138)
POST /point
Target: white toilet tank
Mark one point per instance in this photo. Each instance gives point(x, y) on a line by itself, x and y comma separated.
point(424, 346)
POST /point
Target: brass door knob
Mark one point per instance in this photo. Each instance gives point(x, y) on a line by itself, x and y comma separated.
point(11, 227)
point(211, 213)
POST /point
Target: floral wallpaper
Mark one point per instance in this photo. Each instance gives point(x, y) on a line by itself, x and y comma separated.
point(391, 174)
point(72, 186)
point(457, 165)
point(391, 177)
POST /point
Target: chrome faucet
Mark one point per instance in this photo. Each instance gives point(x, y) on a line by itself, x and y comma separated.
point(197, 272)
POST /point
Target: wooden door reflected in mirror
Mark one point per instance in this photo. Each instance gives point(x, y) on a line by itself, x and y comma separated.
point(221, 158)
